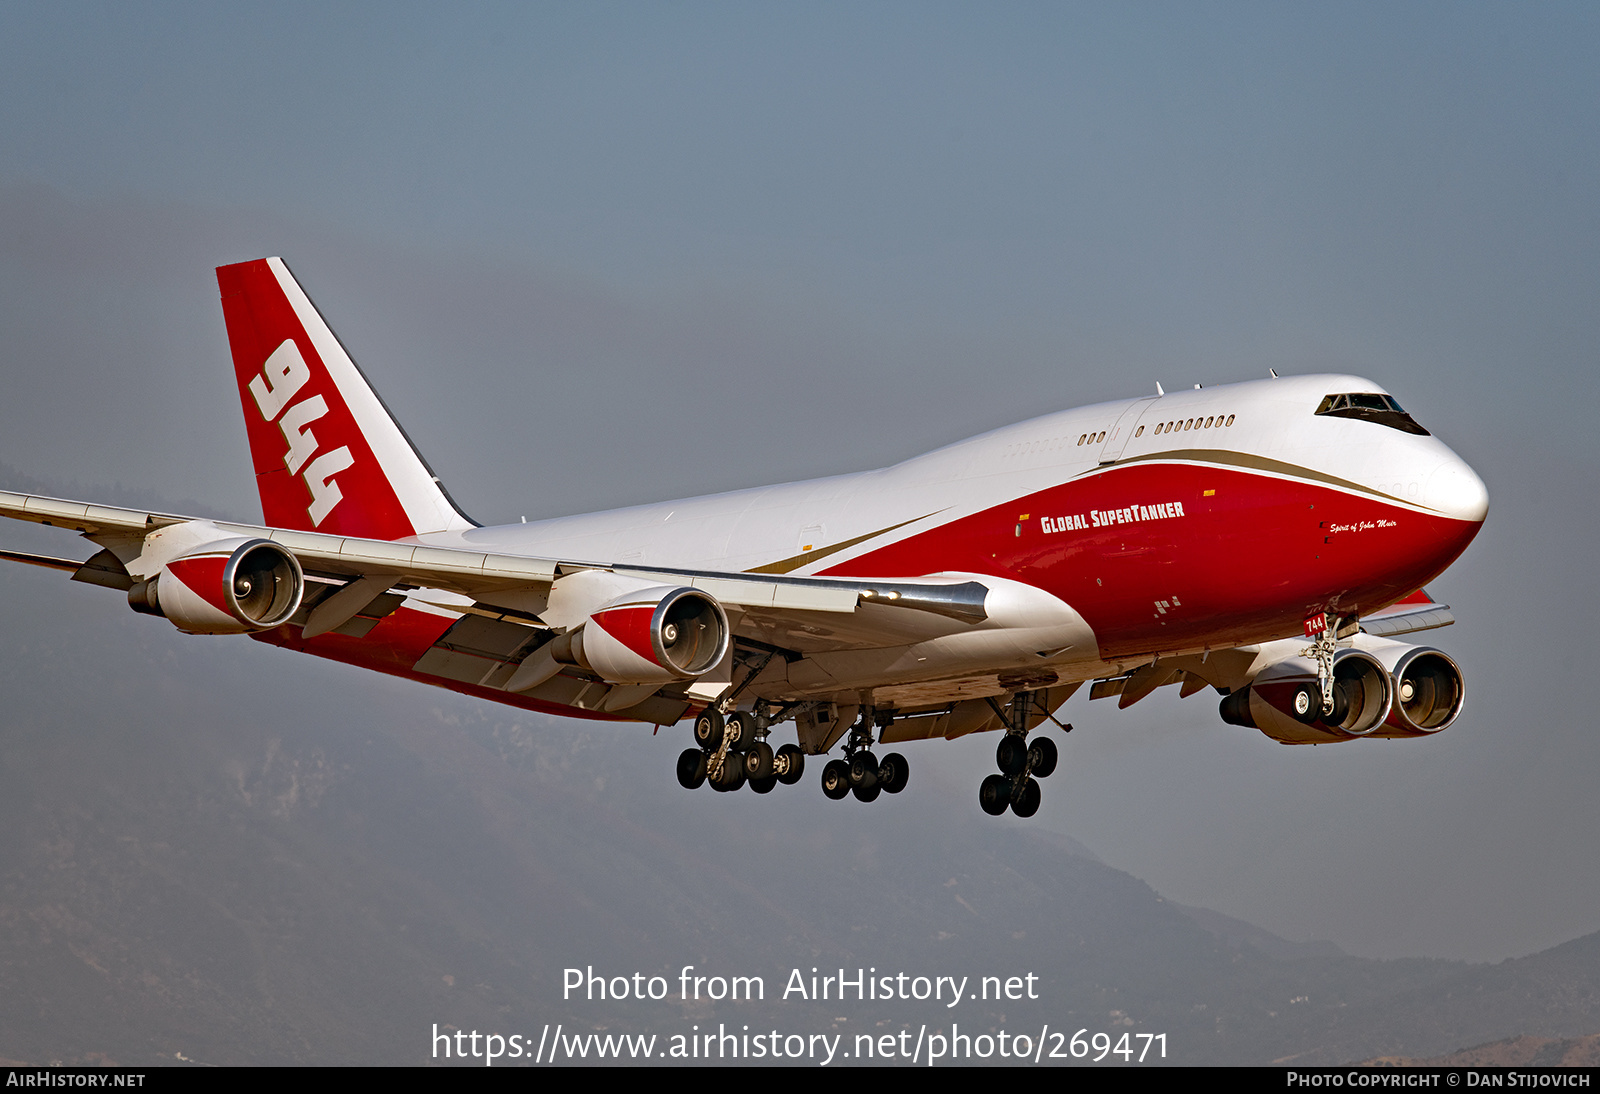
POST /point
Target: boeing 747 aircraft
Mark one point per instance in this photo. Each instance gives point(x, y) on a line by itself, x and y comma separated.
point(1265, 539)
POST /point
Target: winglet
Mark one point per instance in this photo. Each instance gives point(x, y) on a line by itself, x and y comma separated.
point(328, 455)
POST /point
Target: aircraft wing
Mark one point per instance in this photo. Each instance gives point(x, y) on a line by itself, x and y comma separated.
point(1417, 612)
point(81, 516)
point(502, 580)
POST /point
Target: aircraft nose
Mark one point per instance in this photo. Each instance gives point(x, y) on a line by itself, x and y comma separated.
point(1455, 490)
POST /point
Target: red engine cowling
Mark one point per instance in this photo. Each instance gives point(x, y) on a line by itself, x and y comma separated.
point(652, 635)
point(229, 586)
point(1284, 700)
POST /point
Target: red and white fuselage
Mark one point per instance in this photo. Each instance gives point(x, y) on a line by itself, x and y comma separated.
point(1245, 517)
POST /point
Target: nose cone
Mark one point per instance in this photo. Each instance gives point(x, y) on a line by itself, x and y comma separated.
point(1455, 490)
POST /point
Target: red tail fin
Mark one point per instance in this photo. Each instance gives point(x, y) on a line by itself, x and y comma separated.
point(328, 455)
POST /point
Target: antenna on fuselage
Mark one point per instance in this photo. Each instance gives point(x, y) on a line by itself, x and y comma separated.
point(1158, 388)
point(1272, 372)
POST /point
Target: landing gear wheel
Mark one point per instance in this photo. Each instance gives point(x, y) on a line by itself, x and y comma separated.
point(863, 770)
point(764, 786)
point(732, 775)
point(758, 762)
point(867, 793)
point(994, 795)
point(893, 773)
point(741, 730)
point(708, 729)
point(1042, 757)
point(1341, 707)
point(1306, 703)
point(789, 763)
point(1028, 804)
point(836, 779)
point(691, 768)
point(1012, 753)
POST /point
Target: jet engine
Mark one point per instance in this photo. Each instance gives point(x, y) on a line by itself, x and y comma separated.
point(1428, 688)
point(1284, 700)
point(652, 635)
point(228, 586)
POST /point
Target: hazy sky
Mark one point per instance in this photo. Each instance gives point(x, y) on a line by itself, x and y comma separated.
point(598, 254)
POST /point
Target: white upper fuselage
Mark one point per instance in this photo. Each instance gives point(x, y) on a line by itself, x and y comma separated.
point(1272, 420)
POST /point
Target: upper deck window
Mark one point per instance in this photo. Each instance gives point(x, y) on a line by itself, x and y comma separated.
point(1381, 409)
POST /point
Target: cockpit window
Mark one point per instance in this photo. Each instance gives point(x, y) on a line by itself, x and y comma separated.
point(1381, 409)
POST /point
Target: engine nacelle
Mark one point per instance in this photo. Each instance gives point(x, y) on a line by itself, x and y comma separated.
point(1284, 700)
point(228, 586)
point(1428, 687)
point(652, 635)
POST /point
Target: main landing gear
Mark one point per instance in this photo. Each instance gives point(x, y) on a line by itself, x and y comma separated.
point(860, 772)
point(733, 752)
point(1021, 765)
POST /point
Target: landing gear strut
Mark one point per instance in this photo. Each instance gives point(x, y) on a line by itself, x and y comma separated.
point(733, 751)
point(1323, 646)
point(860, 772)
point(1324, 630)
point(1021, 764)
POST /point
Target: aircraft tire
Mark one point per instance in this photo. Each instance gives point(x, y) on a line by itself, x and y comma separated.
point(867, 793)
point(836, 779)
point(1341, 706)
point(691, 768)
point(994, 795)
point(790, 764)
point(741, 731)
point(764, 786)
point(1011, 753)
point(708, 729)
point(1306, 703)
point(1028, 804)
point(863, 769)
point(893, 773)
point(758, 762)
point(732, 774)
point(1042, 757)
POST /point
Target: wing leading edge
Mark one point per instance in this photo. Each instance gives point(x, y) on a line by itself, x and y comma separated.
point(364, 569)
